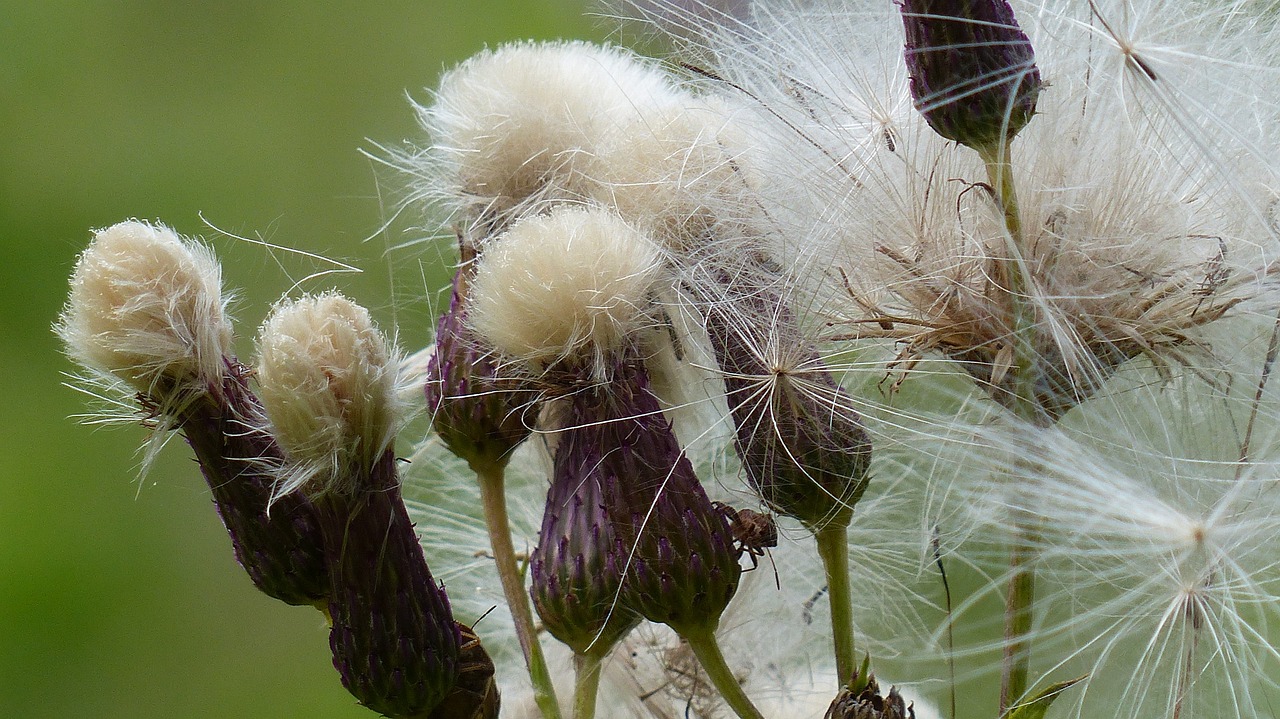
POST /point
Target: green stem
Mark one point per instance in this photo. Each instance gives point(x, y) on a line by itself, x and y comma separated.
point(702, 640)
point(586, 668)
point(1014, 276)
point(493, 497)
point(1018, 616)
point(833, 548)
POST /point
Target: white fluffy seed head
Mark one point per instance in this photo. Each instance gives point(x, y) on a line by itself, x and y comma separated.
point(329, 382)
point(147, 306)
point(572, 284)
point(510, 126)
point(677, 172)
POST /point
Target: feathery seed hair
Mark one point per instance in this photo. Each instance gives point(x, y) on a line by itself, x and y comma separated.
point(329, 382)
point(147, 306)
point(574, 283)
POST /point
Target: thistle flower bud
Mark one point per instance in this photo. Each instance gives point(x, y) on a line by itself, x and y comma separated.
point(393, 637)
point(476, 409)
point(803, 446)
point(329, 386)
point(328, 381)
point(869, 703)
point(510, 126)
point(682, 567)
point(576, 283)
point(277, 541)
point(577, 566)
point(147, 307)
point(973, 70)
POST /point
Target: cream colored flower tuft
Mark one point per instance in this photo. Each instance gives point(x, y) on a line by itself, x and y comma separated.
point(509, 127)
point(678, 172)
point(574, 284)
point(147, 306)
point(329, 383)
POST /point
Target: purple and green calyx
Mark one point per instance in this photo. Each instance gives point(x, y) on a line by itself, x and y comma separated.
point(677, 554)
point(576, 568)
point(802, 445)
point(393, 637)
point(481, 415)
point(278, 544)
point(973, 70)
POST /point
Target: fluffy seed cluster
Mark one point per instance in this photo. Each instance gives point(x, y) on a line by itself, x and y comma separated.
point(674, 172)
point(147, 306)
point(512, 126)
point(1135, 233)
point(575, 280)
point(329, 385)
point(1158, 571)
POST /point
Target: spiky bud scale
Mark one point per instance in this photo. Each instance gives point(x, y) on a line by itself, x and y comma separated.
point(475, 696)
point(868, 703)
point(278, 542)
point(680, 564)
point(394, 642)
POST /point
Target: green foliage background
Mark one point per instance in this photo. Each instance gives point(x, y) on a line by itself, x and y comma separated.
point(121, 600)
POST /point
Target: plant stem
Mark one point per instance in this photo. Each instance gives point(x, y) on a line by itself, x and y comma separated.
point(1018, 616)
point(1014, 276)
point(586, 669)
point(702, 640)
point(493, 497)
point(833, 548)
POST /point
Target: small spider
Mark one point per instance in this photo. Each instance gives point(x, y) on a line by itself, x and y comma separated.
point(475, 696)
point(754, 532)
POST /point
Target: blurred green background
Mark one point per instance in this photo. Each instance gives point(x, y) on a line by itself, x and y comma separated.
point(120, 600)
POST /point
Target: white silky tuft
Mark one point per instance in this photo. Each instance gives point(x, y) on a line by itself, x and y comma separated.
point(147, 307)
point(329, 381)
point(572, 284)
point(677, 172)
point(510, 126)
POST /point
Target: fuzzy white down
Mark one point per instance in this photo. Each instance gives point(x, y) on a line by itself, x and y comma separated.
point(574, 284)
point(329, 383)
point(147, 306)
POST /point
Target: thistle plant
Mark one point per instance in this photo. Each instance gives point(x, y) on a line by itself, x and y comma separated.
point(673, 552)
point(147, 315)
point(802, 444)
point(978, 293)
point(482, 416)
point(329, 386)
